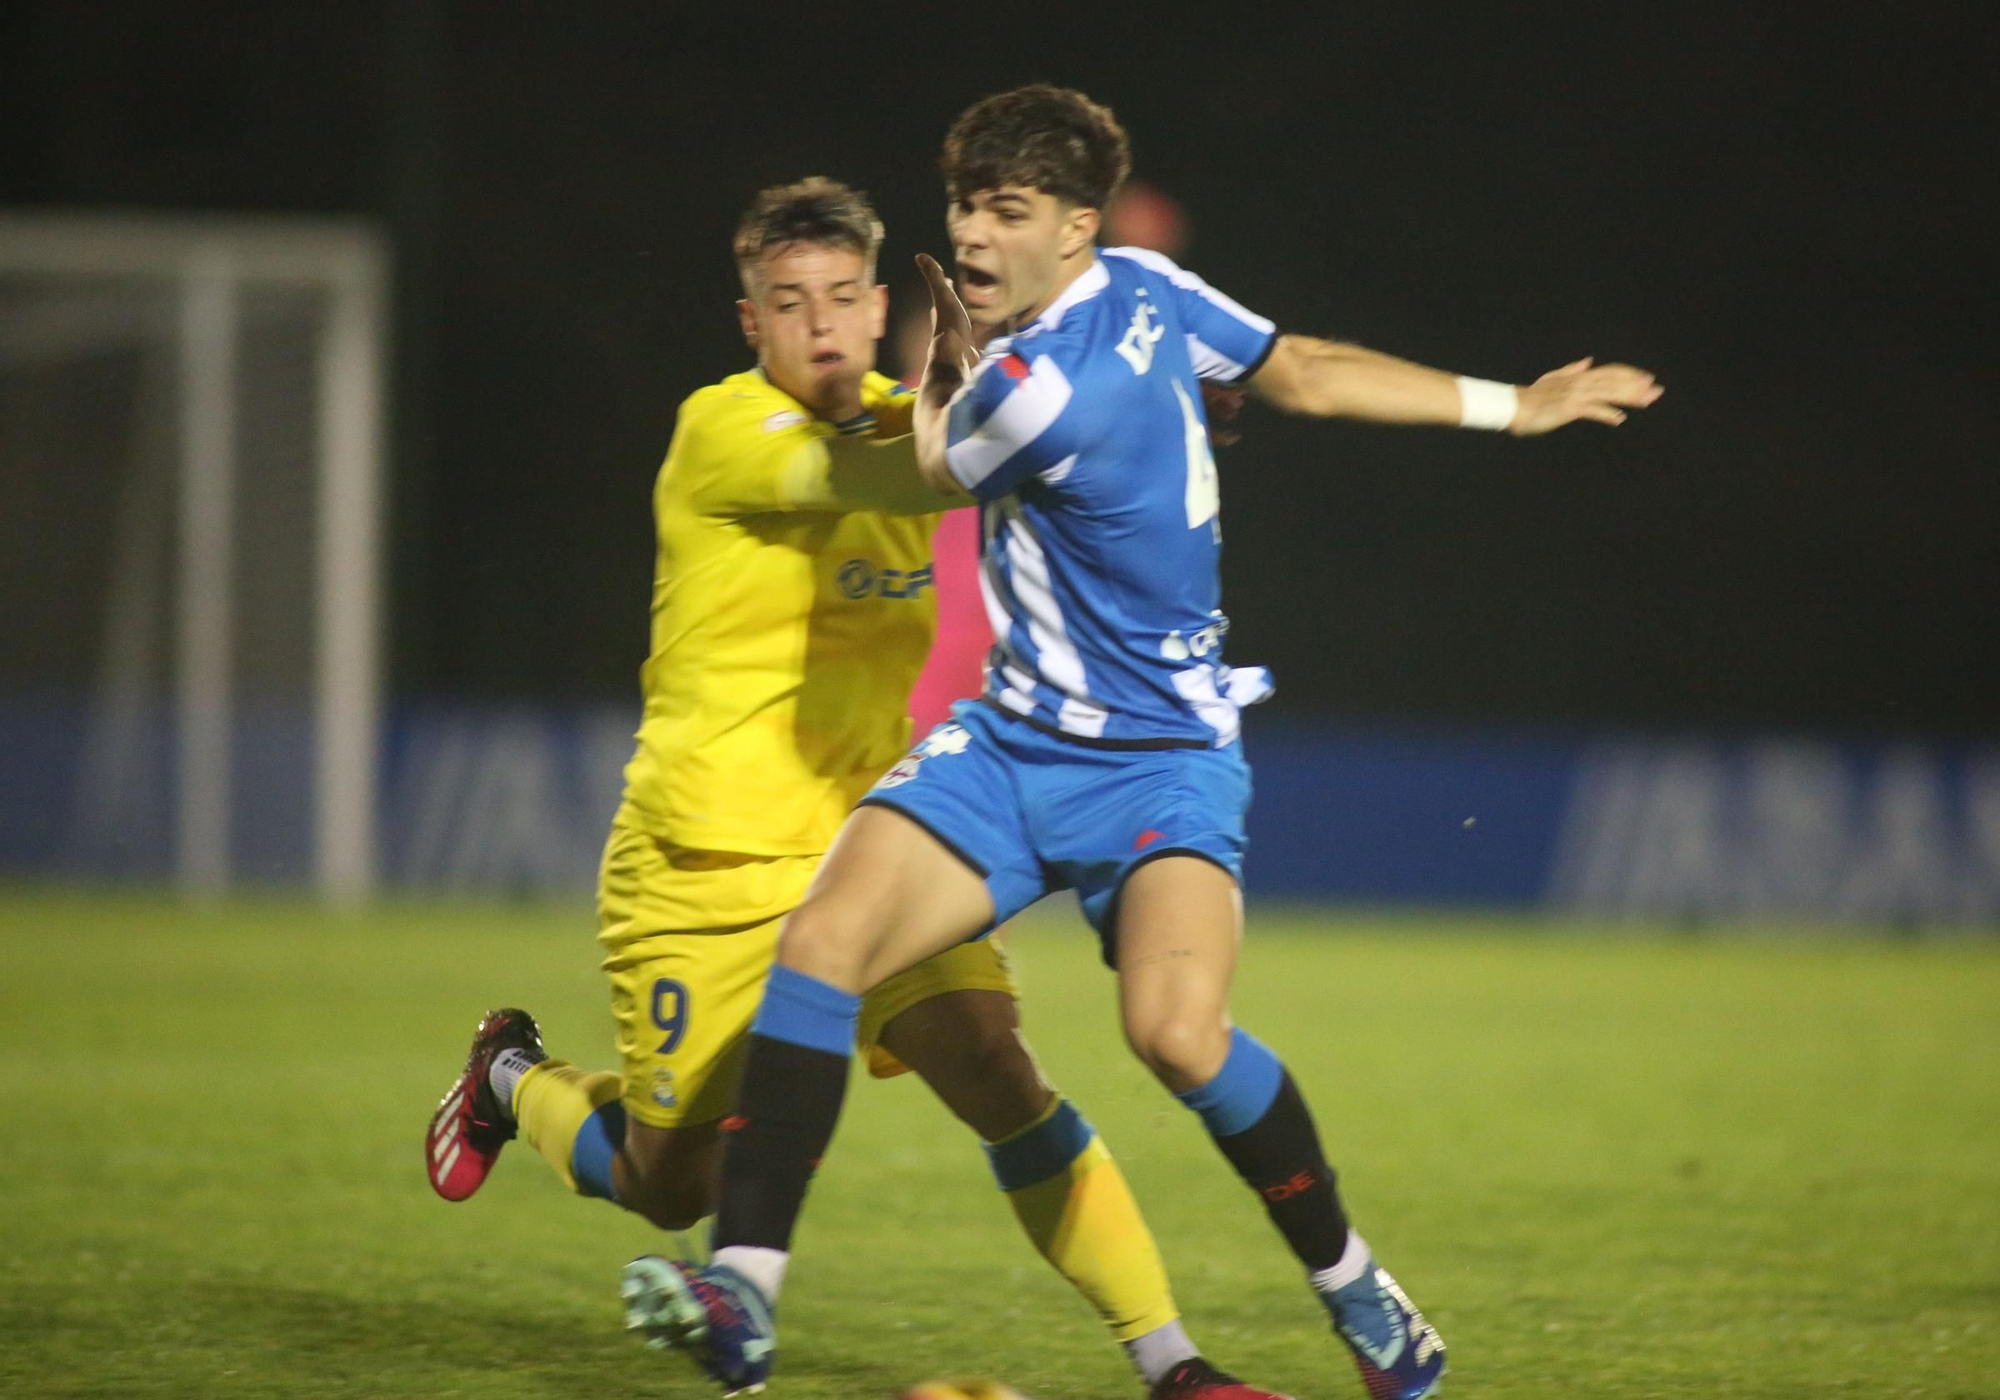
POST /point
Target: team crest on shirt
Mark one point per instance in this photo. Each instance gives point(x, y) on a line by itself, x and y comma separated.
point(1140, 337)
point(784, 418)
point(941, 742)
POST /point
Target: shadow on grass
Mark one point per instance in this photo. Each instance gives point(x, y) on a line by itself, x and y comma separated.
point(239, 1338)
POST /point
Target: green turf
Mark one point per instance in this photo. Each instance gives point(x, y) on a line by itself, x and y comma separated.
point(1606, 1166)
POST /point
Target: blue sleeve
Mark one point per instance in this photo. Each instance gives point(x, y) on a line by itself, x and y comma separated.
point(1008, 425)
point(1225, 339)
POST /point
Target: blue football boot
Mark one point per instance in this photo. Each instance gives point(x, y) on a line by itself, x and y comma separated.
point(1400, 1356)
point(711, 1312)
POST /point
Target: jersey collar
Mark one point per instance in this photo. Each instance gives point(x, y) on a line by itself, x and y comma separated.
point(1087, 285)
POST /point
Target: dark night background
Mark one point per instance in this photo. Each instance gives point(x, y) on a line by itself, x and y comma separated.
point(1784, 210)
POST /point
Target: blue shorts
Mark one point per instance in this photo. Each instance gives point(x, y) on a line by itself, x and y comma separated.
point(1034, 814)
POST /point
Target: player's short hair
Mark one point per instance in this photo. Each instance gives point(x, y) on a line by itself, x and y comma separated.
point(812, 210)
point(1054, 139)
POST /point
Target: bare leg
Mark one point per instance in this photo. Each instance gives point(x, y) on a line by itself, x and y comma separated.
point(887, 896)
point(1180, 921)
point(669, 1175)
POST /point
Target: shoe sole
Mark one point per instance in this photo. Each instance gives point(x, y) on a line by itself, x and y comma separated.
point(659, 1303)
point(446, 1142)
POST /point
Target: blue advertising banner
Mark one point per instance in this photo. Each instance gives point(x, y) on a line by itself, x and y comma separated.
point(1738, 828)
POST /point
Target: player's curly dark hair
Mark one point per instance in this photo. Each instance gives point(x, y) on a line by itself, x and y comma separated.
point(812, 210)
point(1052, 138)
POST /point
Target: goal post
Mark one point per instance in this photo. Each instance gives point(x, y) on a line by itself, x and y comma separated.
point(252, 358)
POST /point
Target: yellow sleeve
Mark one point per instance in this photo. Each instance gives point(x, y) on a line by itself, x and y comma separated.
point(737, 464)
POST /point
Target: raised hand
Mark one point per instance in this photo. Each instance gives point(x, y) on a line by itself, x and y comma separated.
point(952, 354)
point(952, 359)
point(1581, 390)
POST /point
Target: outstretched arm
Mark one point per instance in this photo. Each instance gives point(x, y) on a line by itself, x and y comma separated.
point(1330, 379)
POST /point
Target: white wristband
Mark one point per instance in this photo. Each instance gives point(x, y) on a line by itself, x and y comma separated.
point(1485, 403)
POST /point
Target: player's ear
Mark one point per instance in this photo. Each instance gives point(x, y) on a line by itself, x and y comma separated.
point(879, 296)
point(1079, 230)
point(746, 316)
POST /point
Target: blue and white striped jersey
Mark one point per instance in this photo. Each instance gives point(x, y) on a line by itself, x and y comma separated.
point(1085, 440)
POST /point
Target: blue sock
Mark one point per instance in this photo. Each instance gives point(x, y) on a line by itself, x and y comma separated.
point(1260, 1122)
point(1041, 1151)
point(596, 1144)
point(1242, 1090)
point(806, 1011)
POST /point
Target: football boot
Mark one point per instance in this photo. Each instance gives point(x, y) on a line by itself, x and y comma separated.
point(709, 1311)
point(471, 1125)
point(1400, 1356)
point(1196, 1379)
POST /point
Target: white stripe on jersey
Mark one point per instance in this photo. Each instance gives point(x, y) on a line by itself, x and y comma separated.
point(1199, 689)
point(1197, 686)
point(1056, 656)
point(1024, 415)
point(1018, 694)
point(1209, 363)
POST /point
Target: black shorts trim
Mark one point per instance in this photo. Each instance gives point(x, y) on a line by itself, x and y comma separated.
point(938, 836)
point(1085, 741)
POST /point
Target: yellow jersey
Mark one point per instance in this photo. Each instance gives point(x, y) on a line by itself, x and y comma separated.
point(792, 610)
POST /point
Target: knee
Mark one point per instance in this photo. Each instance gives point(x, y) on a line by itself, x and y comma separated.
point(1183, 1051)
point(979, 1065)
point(1011, 1092)
point(824, 940)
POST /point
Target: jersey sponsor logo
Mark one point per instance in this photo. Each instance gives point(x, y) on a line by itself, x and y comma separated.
point(1175, 647)
point(859, 578)
point(1140, 337)
point(784, 418)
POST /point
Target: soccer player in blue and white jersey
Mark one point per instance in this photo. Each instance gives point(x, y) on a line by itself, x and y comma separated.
point(1103, 756)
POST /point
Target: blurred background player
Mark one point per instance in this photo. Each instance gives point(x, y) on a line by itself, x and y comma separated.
point(1104, 756)
point(791, 611)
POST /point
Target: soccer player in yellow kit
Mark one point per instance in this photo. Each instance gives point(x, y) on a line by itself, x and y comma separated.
point(792, 610)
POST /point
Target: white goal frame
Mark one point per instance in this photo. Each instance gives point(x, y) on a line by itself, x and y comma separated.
point(211, 259)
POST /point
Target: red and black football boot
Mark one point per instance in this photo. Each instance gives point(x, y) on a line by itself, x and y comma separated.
point(470, 1127)
point(1195, 1379)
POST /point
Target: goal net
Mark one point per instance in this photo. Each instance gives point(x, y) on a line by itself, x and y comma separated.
point(191, 430)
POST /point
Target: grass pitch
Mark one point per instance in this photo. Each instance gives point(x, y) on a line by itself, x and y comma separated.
point(1606, 1166)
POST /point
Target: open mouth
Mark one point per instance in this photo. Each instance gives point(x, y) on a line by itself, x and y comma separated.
point(827, 358)
point(976, 285)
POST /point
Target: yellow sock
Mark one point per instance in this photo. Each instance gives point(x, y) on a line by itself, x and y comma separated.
point(1072, 1200)
point(574, 1119)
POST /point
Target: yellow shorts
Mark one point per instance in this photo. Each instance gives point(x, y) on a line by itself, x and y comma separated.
point(689, 938)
